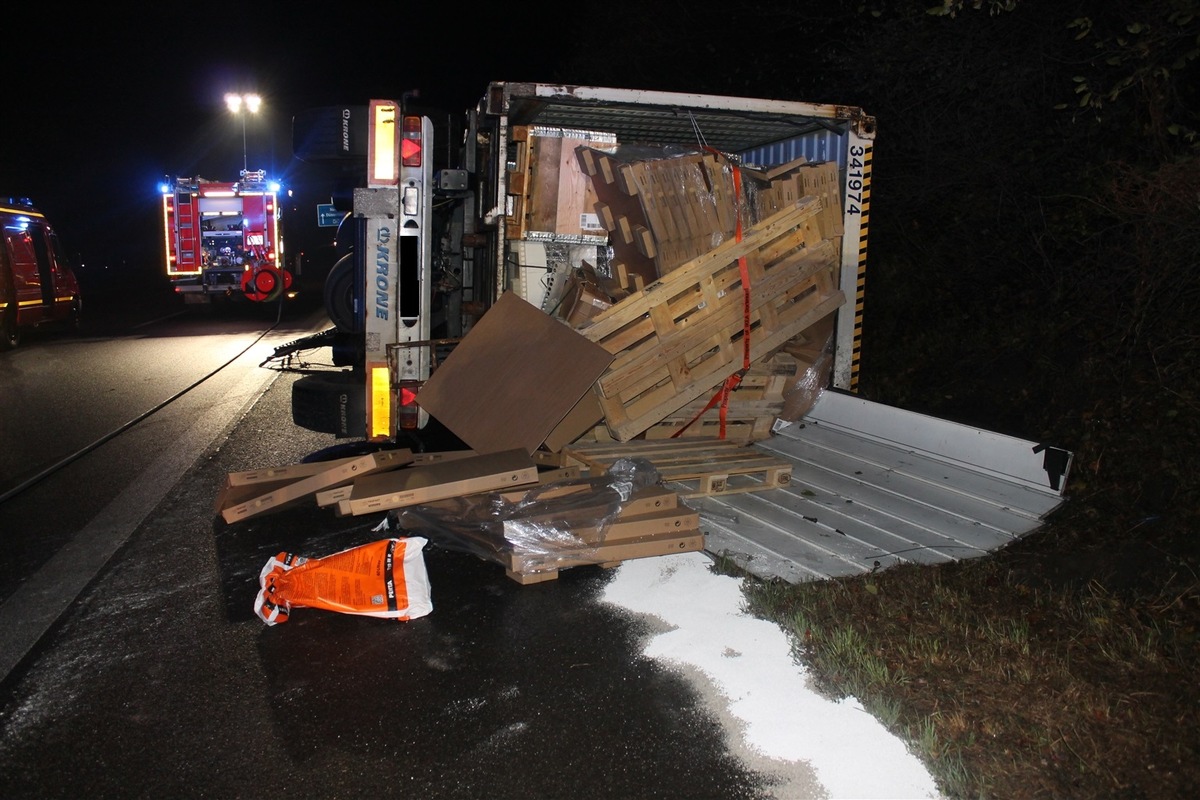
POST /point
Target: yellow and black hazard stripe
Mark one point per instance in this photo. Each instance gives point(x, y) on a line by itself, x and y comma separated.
point(861, 270)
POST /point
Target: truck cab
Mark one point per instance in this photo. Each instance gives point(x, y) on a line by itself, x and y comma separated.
point(37, 283)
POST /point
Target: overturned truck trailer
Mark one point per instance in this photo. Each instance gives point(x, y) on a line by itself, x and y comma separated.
point(699, 262)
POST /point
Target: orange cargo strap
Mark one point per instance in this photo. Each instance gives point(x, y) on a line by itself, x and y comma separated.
point(734, 380)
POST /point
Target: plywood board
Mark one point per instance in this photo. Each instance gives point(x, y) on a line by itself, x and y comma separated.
point(407, 487)
point(295, 491)
point(579, 420)
point(513, 378)
point(248, 484)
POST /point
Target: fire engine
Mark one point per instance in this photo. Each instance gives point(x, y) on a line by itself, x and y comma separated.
point(222, 240)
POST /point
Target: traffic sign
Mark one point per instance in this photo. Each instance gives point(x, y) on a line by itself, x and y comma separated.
point(328, 216)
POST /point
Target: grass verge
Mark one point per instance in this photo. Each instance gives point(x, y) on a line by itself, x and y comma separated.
point(1008, 677)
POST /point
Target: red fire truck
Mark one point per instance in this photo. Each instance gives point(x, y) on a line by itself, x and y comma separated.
point(222, 240)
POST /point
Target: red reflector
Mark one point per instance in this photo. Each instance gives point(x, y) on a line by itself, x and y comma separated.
point(410, 143)
point(410, 153)
point(408, 413)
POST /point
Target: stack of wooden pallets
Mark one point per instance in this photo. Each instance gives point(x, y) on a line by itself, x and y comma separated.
point(660, 212)
point(719, 268)
point(498, 506)
point(682, 336)
point(536, 532)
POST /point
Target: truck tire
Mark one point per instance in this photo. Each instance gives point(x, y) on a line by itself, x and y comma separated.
point(10, 332)
point(331, 402)
point(75, 320)
point(339, 295)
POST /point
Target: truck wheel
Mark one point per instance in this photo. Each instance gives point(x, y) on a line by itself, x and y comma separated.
point(10, 333)
point(339, 295)
point(331, 402)
point(75, 320)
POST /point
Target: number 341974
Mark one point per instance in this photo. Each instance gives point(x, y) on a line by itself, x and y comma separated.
point(854, 180)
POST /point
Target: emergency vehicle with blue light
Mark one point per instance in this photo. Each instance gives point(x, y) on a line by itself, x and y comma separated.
point(222, 239)
point(37, 282)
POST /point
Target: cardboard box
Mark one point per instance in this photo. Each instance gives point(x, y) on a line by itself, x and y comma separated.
point(552, 199)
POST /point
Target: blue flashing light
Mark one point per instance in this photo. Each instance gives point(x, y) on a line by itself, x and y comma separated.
point(165, 188)
point(273, 187)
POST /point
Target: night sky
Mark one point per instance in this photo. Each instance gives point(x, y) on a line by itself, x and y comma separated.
point(111, 102)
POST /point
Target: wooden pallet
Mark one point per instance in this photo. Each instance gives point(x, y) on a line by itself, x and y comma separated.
point(526, 569)
point(680, 337)
point(750, 410)
point(621, 214)
point(747, 419)
point(699, 467)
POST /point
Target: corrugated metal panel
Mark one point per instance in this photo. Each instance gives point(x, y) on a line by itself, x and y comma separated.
point(817, 146)
point(874, 486)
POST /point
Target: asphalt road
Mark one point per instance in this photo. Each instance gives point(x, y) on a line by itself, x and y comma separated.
point(158, 679)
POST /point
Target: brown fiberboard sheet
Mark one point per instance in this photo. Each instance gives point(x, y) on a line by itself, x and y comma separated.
point(513, 378)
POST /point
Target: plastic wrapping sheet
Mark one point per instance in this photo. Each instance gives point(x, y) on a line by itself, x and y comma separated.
point(555, 522)
point(801, 393)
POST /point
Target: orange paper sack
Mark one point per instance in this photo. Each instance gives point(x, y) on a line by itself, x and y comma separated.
point(380, 579)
